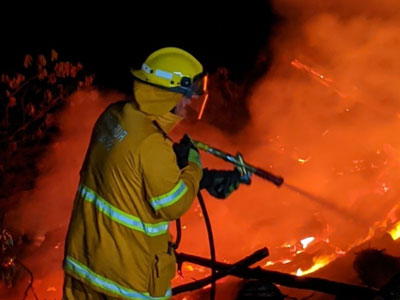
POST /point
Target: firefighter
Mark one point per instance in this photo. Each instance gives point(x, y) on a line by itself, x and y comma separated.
point(134, 181)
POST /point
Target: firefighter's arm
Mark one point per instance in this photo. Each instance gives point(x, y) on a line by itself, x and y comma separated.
point(169, 190)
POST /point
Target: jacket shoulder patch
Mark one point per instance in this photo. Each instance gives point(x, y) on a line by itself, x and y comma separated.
point(108, 131)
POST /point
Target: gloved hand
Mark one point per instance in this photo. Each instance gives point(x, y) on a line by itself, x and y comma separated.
point(220, 184)
point(185, 151)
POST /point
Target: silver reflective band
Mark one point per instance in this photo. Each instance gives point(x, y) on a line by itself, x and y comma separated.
point(158, 73)
point(171, 197)
point(146, 68)
point(95, 279)
point(121, 217)
point(163, 74)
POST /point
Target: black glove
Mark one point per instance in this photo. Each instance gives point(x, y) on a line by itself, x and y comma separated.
point(182, 149)
point(220, 184)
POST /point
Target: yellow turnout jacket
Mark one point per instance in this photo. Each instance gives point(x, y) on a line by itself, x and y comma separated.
point(130, 190)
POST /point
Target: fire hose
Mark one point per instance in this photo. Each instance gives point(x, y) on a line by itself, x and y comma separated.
point(247, 169)
point(239, 162)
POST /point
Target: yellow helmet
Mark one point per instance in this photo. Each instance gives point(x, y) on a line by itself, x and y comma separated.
point(173, 69)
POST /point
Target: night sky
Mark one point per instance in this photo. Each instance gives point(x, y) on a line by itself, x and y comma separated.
point(109, 40)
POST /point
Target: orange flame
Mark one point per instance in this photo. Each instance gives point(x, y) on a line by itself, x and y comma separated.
point(319, 262)
point(395, 232)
